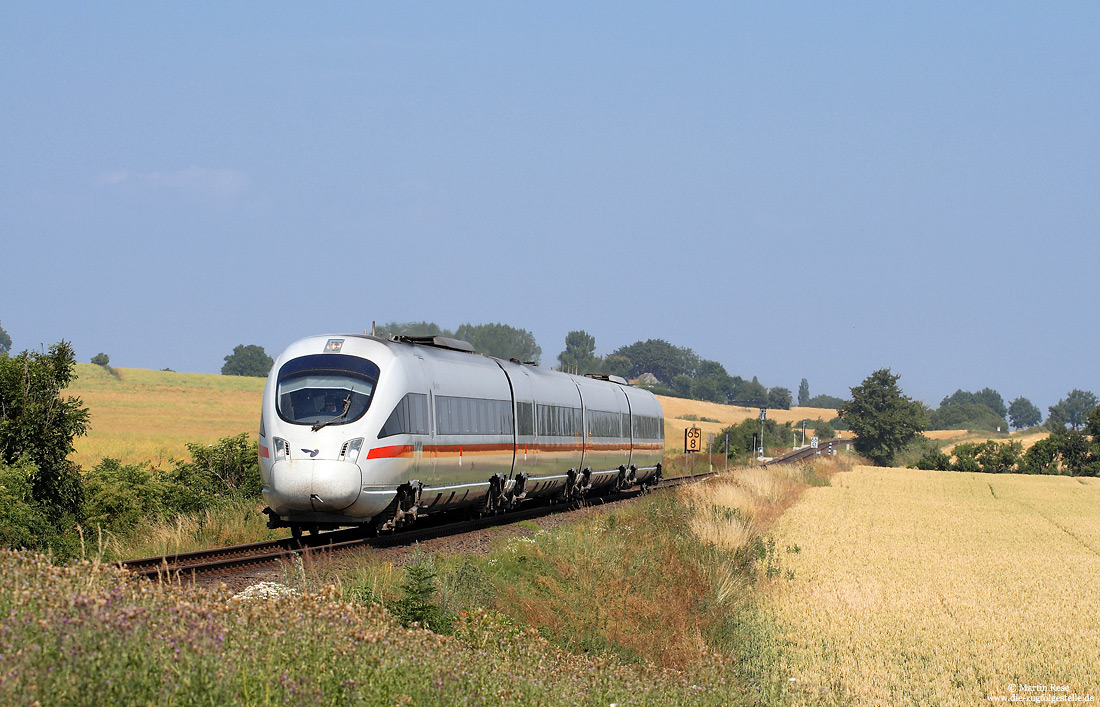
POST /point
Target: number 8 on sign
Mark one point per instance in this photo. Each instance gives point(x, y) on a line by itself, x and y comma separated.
point(693, 439)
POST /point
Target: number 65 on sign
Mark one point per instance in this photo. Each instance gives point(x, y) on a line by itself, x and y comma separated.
point(693, 439)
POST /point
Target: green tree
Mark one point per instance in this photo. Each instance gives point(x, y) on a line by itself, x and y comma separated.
point(660, 358)
point(986, 396)
point(501, 341)
point(779, 398)
point(101, 359)
point(1073, 410)
point(828, 402)
point(5, 342)
point(823, 430)
point(1042, 457)
point(618, 366)
point(580, 354)
point(934, 459)
point(803, 392)
point(743, 434)
point(966, 416)
point(38, 426)
point(1023, 414)
point(750, 393)
point(248, 360)
point(418, 602)
point(882, 418)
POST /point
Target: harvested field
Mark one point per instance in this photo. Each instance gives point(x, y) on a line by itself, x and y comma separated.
point(925, 587)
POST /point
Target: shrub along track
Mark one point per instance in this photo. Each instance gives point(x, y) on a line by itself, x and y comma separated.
point(207, 565)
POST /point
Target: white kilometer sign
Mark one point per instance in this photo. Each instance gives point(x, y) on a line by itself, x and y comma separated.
point(813, 442)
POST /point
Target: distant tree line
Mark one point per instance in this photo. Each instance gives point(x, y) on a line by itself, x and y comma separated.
point(659, 366)
point(985, 410)
point(1067, 450)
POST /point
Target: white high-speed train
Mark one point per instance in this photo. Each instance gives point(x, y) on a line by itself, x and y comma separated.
point(358, 430)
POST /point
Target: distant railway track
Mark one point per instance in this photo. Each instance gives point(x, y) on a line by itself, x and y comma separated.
point(805, 453)
point(191, 565)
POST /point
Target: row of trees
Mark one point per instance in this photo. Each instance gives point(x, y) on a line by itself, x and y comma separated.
point(1065, 451)
point(885, 421)
point(986, 410)
point(674, 370)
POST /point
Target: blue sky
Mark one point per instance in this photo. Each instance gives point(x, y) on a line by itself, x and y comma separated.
point(795, 190)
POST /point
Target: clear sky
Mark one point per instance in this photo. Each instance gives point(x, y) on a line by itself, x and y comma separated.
point(794, 190)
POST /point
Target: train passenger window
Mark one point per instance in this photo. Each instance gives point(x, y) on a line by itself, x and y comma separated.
point(483, 422)
point(525, 419)
point(646, 427)
point(410, 416)
point(473, 416)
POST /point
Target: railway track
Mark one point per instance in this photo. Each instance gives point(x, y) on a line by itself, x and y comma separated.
point(191, 565)
point(805, 453)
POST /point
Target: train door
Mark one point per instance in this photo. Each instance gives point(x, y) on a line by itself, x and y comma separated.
point(424, 467)
point(526, 446)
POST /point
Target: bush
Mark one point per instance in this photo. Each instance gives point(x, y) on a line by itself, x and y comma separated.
point(23, 521)
point(934, 459)
point(101, 359)
point(418, 605)
point(1042, 457)
point(228, 468)
point(118, 498)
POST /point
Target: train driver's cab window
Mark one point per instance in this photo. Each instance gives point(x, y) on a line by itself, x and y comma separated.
point(331, 389)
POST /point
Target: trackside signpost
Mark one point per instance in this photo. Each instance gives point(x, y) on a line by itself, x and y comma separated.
point(693, 439)
point(693, 443)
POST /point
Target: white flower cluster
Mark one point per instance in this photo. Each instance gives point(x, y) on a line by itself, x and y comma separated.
point(266, 590)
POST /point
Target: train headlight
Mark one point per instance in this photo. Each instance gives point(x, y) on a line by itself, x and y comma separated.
point(282, 449)
point(350, 451)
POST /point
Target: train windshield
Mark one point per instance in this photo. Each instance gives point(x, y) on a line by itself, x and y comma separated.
point(325, 389)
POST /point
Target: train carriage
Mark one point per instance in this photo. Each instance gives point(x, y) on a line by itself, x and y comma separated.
point(359, 430)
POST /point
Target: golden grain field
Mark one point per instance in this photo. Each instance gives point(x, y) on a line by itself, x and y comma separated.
point(150, 416)
point(941, 588)
point(674, 408)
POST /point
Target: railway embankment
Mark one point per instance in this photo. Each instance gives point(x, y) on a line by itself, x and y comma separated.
point(650, 602)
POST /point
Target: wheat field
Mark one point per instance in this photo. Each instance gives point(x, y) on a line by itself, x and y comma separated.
point(941, 588)
point(144, 415)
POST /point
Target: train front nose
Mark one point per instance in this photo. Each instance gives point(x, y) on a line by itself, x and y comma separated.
point(320, 485)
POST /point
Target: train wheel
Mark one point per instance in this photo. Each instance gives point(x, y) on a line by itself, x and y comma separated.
point(296, 531)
